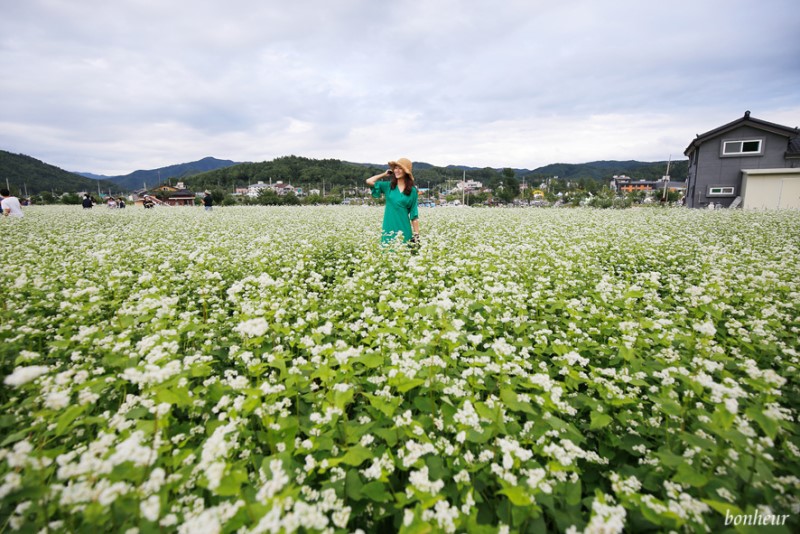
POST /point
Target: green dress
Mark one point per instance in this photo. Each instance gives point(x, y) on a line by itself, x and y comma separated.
point(400, 210)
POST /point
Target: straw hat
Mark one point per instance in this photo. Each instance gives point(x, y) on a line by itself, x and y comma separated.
point(403, 163)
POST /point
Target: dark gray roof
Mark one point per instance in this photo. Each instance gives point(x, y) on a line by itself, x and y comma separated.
point(747, 120)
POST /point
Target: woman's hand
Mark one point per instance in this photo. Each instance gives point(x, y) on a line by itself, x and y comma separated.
point(371, 180)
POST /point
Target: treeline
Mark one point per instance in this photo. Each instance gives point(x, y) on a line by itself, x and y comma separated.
point(295, 170)
point(28, 176)
point(326, 174)
point(604, 170)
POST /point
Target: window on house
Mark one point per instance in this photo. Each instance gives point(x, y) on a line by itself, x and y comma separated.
point(743, 147)
point(721, 191)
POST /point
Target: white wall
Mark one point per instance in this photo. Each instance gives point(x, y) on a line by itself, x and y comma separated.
point(771, 189)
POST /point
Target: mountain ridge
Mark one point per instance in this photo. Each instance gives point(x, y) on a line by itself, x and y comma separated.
point(26, 174)
point(138, 178)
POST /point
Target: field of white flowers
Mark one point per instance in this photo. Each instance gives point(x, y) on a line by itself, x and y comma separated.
point(272, 369)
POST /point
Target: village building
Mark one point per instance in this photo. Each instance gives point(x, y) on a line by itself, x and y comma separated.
point(748, 162)
point(469, 186)
point(165, 194)
point(283, 189)
point(279, 187)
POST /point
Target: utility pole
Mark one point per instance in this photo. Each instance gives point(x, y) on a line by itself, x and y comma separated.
point(666, 180)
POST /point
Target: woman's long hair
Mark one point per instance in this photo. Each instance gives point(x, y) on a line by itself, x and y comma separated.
point(409, 182)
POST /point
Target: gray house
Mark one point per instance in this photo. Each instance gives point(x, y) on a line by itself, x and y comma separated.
point(746, 152)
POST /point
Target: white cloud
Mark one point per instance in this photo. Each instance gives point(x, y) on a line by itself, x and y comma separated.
point(111, 87)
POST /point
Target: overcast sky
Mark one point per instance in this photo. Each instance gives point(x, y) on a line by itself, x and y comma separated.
point(114, 86)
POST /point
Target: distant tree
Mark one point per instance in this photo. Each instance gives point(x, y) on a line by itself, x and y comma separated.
point(636, 197)
point(70, 198)
point(268, 197)
point(218, 195)
point(477, 198)
point(313, 199)
point(290, 199)
point(510, 188)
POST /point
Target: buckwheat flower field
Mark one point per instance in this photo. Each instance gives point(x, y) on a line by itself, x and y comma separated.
point(259, 370)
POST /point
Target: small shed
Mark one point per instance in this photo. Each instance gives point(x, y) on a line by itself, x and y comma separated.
point(771, 188)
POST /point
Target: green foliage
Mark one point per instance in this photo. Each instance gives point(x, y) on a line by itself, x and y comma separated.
point(25, 173)
point(604, 170)
point(71, 198)
point(530, 370)
point(169, 174)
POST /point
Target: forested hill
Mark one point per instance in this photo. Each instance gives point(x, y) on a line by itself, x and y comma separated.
point(305, 172)
point(29, 176)
point(172, 173)
point(298, 171)
point(27, 173)
point(603, 170)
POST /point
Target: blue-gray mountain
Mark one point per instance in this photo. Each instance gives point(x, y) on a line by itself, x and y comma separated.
point(143, 179)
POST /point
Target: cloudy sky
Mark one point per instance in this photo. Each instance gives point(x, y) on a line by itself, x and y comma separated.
point(114, 86)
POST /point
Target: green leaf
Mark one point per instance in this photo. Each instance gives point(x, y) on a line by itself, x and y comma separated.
point(474, 436)
point(723, 508)
point(69, 415)
point(389, 435)
point(669, 459)
point(354, 456)
point(490, 414)
point(723, 418)
point(200, 370)
point(386, 407)
point(668, 406)
point(573, 493)
point(231, 484)
point(517, 495)
point(15, 437)
point(371, 361)
point(165, 395)
point(407, 385)
point(343, 398)
point(688, 475)
point(512, 402)
point(376, 491)
point(767, 424)
point(599, 420)
point(353, 485)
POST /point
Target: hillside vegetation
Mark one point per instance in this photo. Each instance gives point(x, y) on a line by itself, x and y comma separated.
point(300, 171)
point(29, 176)
point(150, 178)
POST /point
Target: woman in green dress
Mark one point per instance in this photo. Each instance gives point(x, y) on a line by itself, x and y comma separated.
point(400, 216)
